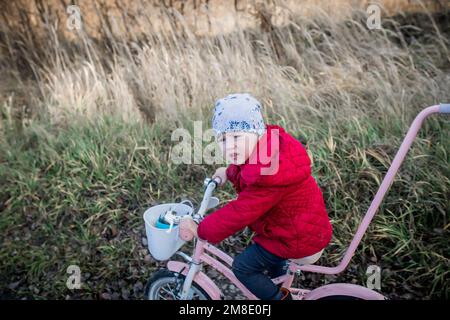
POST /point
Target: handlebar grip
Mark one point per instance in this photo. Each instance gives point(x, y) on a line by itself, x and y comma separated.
point(217, 180)
point(444, 108)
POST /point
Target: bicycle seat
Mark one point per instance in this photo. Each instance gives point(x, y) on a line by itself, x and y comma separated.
point(309, 259)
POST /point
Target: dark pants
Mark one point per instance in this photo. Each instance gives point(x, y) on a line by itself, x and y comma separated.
point(249, 267)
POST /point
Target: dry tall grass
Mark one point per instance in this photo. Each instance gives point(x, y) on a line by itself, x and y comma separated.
point(312, 66)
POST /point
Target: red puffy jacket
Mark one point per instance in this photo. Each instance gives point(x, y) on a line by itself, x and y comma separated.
point(285, 209)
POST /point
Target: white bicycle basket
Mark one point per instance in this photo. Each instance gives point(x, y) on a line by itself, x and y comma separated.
point(163, 243)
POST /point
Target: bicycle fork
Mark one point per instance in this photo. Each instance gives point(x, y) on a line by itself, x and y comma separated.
point(193, 270)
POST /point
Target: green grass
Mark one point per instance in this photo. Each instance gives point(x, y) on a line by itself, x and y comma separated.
point(76, 196)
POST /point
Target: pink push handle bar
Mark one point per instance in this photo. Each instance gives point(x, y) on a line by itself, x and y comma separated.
point(385, 185)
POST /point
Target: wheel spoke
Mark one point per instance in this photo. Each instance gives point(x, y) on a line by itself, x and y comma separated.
point(161, 297)
point(169, 292)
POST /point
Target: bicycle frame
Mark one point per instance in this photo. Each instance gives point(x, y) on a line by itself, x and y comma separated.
point(201, 256)
point(202, 248)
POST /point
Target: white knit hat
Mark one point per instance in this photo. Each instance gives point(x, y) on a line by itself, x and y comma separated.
point(238, 112)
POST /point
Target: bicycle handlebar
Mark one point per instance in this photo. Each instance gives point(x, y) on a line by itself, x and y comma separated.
point(444, 108)
point(210, 184)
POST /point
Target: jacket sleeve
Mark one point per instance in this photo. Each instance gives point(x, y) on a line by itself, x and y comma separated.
point(252, 203)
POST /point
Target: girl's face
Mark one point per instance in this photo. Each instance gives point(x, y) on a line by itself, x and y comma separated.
point(237, 146)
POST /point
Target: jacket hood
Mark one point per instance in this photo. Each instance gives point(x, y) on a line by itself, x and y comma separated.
point(278, 159)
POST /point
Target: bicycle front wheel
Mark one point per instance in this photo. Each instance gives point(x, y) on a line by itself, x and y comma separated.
point(166, 285)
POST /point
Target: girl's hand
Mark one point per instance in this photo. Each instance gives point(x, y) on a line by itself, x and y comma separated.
point(222, 174)
point(188, 229)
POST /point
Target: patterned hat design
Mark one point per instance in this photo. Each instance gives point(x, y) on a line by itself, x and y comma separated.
point(238, 112)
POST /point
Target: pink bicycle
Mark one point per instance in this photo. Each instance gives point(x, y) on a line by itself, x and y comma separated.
point(186, 281)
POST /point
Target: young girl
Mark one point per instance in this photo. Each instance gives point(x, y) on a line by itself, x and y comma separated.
point(277, 197)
